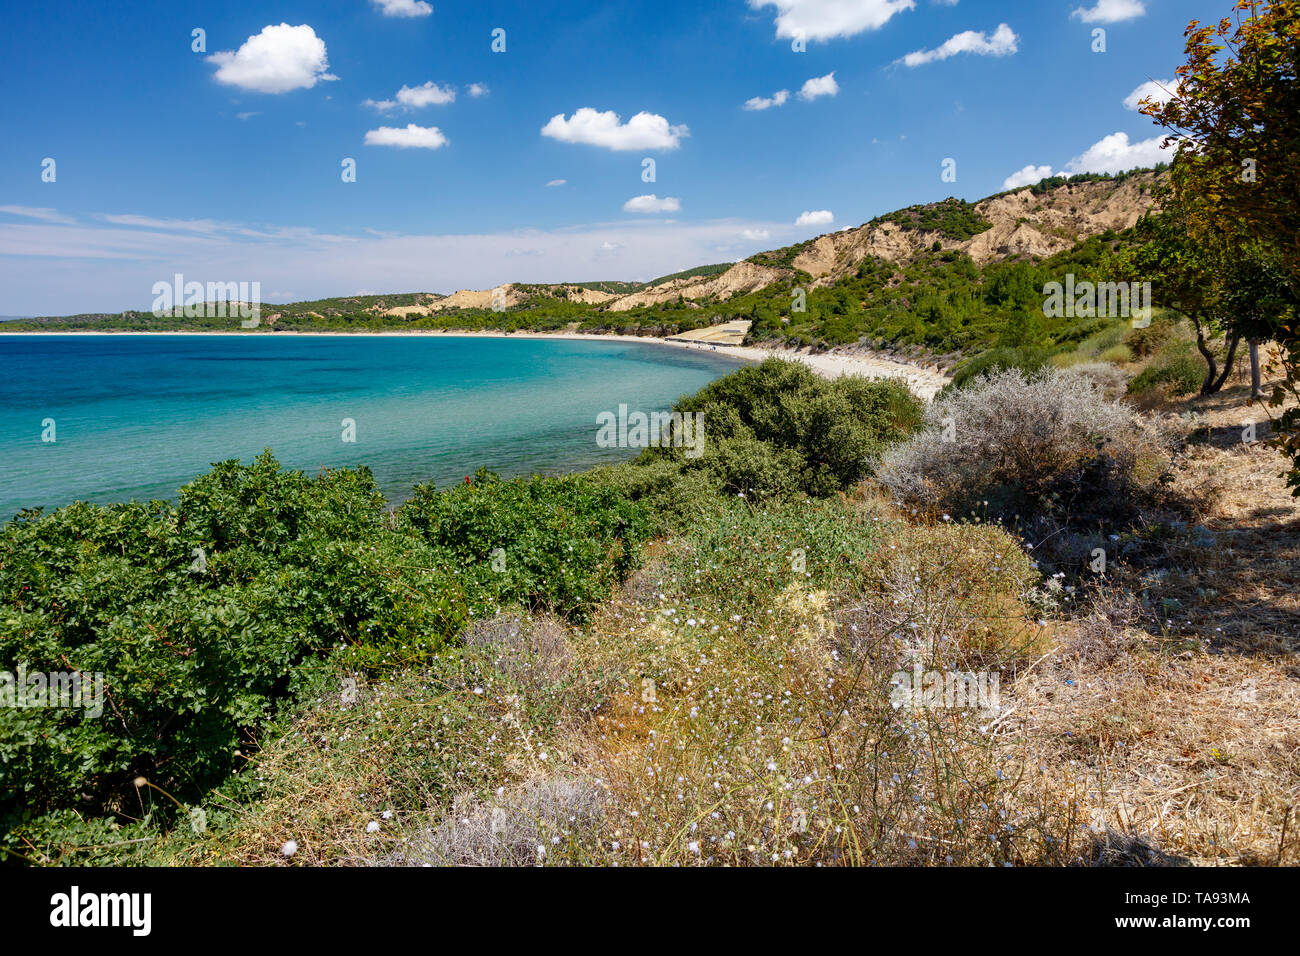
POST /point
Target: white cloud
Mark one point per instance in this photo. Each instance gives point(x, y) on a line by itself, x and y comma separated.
point(1027, 176)
point(417, 137)
point(43, 213)
point(1110, 11)
point(827, 19)
point(429, 94)
point(1161, 91)
point(754, 235)
point(1115, 154)
point(557, 182)
point(820, 217)
point(642, 131)
point(477, 89)
point(415, 97)
point(277, 60)
point(819, 86)
point(1003, 42)
point(652, 203)
point(404, 8)
point(766, 102)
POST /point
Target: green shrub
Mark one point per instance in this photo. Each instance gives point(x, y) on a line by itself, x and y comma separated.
point(199, 618)
point(558, 544)
point(204, 617)
point(670, 497)
point(778, 428)
point(1181, 376)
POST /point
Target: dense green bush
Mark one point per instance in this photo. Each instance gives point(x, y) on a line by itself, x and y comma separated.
point(198, 618)
point(558, 544)
point(778, 427)
point(955, 218)
point(204, 616)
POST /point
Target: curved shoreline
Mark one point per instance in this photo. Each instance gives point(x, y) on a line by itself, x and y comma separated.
point(924, 382)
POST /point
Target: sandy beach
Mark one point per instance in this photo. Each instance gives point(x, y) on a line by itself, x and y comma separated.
point(924, 382)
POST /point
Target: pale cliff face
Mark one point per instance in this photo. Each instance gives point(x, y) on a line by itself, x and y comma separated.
point(1024, 226)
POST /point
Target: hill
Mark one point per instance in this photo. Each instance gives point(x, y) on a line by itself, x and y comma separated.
point(946, 278)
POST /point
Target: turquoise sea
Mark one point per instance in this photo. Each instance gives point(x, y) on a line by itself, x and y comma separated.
point(139, 416)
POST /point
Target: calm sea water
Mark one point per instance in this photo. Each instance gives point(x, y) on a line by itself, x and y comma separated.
point(139, 416)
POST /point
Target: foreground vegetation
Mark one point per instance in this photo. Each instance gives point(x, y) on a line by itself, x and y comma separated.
point(673, 660)
point(692, 661)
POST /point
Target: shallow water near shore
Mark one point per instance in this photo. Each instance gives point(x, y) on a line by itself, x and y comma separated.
point(139, 416)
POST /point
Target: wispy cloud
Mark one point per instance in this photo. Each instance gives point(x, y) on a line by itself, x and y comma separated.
point(179, 225)
point(118, 263)
point(415, 97)
point(778, 98)
point(1003, 42)
point(43, 213)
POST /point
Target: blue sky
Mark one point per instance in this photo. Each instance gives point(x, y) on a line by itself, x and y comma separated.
point(226, 164)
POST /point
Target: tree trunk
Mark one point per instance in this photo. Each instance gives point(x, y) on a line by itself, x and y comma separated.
point(1256, 385)
point(1207, 388)
point(1227, 364)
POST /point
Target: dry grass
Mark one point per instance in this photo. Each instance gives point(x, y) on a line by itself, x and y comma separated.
point(1183, 718)
point(1197, 754)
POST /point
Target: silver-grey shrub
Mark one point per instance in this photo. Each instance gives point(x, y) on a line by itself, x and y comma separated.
point(1025, 444)
point(532, 650)
point(545, 821)
point(1112, 379)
